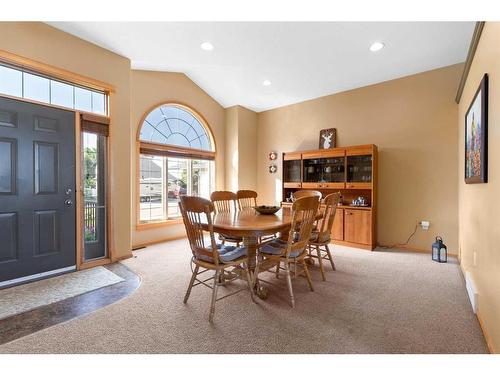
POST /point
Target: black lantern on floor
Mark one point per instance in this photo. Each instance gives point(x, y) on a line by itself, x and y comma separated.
point(439, 251)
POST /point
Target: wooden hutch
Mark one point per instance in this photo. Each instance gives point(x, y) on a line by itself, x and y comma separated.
point(350, 170)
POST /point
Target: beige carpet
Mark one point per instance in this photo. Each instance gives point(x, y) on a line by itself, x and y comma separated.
point(376, 302)
point(26, 297)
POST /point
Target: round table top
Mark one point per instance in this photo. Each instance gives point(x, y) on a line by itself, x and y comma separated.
point(249, 223)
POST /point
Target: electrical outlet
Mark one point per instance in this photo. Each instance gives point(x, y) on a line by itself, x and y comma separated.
point(425, 224)
point(474, 256)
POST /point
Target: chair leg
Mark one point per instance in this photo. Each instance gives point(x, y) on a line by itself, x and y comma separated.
point(278, 270)
point(308, 276)
point(193, 278)
point(214, 296)
point(250, 283)
point(289, 283)
point(256, 271)
point(320, 260)
point(330, 256)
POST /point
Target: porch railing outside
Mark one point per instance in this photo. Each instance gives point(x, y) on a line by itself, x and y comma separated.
point(90, 221)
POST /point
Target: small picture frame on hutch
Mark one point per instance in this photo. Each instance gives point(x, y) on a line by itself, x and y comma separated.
point(327, 138)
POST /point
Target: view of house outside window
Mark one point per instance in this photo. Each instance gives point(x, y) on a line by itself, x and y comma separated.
point(164, 179)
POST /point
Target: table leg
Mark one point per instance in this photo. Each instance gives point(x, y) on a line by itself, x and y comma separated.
point(251, 245)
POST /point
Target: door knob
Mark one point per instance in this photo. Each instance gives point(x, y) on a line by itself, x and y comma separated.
point(68, 202)
point(68, 191)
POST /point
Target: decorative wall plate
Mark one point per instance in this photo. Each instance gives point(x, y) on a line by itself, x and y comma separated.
point(273, 168)
point(273, 155)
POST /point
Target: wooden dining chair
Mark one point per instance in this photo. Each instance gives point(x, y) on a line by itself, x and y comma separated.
point(294, 250)
point(320, 238)
point(246, 199)
point(226, 201)
point(211, 256)
point(306, 193)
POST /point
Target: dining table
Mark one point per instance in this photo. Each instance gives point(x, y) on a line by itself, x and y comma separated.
point(251, 225)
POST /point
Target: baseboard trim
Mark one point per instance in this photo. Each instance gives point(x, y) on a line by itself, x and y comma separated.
point(146, 244)
point(487, 338)
point(414, 249)
point(123, 257)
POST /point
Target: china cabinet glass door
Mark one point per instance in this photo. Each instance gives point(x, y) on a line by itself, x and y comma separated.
point(291, 170)
point(359, 168)
point(324, 170)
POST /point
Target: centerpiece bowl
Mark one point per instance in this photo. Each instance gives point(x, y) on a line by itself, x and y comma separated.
point(267, 210)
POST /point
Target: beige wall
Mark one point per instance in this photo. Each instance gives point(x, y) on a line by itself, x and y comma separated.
point(48, 45)
point(232, 155)
point(241, 149)
point(247, 135)
point(149, 89)
point(413, 120)
point(479, 204)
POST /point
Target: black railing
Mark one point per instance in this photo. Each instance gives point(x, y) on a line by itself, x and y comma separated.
point(90, 221)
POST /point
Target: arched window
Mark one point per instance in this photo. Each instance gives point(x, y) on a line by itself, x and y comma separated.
point(174, 125)
point(177, 152)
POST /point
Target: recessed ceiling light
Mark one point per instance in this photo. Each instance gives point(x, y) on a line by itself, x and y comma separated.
point(207, 46)
point(266, 82)
point(377, 46)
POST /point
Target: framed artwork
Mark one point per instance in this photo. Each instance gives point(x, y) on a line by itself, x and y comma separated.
point(327, 138)
point(476, 136)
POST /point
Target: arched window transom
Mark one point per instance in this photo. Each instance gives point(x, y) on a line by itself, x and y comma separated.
point(172, 125)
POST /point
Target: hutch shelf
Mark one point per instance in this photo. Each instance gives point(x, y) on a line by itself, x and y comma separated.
point(350, 170)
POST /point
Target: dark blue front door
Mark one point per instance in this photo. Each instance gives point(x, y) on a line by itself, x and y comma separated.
point(37, 189)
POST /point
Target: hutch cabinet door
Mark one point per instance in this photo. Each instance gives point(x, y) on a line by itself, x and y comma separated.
point(291, 171)
point(359, 171)
point(358, 225)
point(338, 225)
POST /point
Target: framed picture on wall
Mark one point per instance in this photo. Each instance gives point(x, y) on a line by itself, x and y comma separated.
point(476, 136)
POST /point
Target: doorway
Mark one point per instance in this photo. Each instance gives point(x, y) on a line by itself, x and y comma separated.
point(37, 191)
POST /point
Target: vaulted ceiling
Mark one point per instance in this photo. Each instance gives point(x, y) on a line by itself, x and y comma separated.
point(301, 60)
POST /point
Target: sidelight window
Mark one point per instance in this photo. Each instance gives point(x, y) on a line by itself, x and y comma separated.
point(94, 141)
